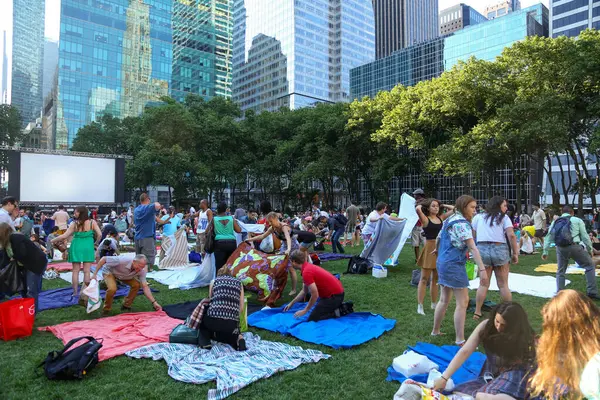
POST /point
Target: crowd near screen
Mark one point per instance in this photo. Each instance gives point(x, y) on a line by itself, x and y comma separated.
point(50, 178)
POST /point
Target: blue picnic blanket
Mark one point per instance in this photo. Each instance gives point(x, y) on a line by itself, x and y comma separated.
point(59, 298)
point(442, 356)
point(340, 333)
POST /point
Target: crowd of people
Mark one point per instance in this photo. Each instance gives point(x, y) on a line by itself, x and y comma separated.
point(563, 361)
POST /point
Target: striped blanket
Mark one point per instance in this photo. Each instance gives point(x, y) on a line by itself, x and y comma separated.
point(233, 370)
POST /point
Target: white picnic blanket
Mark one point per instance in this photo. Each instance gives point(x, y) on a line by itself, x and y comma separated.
point(538, 286)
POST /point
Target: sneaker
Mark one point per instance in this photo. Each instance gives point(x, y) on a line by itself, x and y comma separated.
point(420, 309)
point(346, 308)
point(433, 305)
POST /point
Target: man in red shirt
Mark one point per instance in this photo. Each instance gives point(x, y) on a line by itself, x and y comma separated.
point(321, 285)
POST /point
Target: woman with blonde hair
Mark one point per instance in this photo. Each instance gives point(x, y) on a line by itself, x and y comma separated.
point(289, 243)
point(568, 352)
point(453, 244)
point(82, 252)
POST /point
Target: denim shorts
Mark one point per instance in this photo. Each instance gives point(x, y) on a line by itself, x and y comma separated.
point(493, 254)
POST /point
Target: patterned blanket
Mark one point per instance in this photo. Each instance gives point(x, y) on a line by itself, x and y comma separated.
point(233, 370)
point(264, 274)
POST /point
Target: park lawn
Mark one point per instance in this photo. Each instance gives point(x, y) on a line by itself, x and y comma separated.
point(357, 373)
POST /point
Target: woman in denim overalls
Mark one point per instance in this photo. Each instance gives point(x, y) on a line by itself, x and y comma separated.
point(453, 242)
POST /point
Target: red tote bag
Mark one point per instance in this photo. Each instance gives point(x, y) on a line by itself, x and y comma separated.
point(16, 318)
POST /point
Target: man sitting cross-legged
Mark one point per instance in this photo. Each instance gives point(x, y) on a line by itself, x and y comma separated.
point(129, 269)
point(321, 285)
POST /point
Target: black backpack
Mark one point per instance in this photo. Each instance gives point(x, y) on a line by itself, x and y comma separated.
point(341, 219)
point(359, 265)
point(72, 364)
point(562, 231)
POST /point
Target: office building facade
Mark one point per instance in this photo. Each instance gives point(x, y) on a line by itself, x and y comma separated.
point(4, 82)
point(295, 54)
point(50, 66)
point(457, 17)
point(119, 57)
point(484, 41)
point(27, 58)
point(428, 60)
point(502, 8)
point(570, 17)
point(403, 23)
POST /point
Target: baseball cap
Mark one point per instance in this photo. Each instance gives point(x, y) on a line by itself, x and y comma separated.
point(419, 191)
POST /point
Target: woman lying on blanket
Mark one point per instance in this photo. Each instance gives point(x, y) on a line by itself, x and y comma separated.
point(509, 343)
point(289, 243)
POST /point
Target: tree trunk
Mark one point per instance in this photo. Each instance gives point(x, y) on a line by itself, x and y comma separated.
point(562, 181)
point(555, 194)
point(580, 182)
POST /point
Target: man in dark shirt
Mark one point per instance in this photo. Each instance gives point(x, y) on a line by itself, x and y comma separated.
point(337, 226)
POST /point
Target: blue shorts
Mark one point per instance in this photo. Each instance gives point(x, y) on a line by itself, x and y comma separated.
point(494, 254)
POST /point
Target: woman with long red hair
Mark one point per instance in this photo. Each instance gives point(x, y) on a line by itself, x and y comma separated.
point(568, 352)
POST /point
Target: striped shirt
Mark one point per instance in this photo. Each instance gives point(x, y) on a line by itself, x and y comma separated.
point(225, 300)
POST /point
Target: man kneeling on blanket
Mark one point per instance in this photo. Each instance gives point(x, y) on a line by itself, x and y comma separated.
point(321, 285)
point(131, 270)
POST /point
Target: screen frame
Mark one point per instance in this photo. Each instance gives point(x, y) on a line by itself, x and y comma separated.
point(14, 178)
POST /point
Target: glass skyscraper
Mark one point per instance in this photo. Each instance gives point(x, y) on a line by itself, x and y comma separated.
point(296, 53)
point(484, 41)
point(28, 58)
point(570, 17)
point(117, 57)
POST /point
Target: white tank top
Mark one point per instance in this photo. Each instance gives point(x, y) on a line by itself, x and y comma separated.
point(202, 221)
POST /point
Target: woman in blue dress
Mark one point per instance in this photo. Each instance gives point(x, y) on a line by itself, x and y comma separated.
point(454, 242)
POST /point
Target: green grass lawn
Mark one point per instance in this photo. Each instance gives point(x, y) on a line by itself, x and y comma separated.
point(358, 373)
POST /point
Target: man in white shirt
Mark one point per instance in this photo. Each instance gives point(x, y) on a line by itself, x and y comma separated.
point(205, 216)
point(192, 212)
point(376, 215)
point(130, 216)
point(130, 269)
point(539, 223)
point(9, 205)
point(61, 219)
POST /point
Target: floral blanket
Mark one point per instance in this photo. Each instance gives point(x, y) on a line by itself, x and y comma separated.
point(262, 273)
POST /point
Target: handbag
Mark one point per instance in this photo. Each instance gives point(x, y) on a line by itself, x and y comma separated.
point(74, 363)
point(209, 244)
point(16, 318)
point(12, 279)
point(61, 246)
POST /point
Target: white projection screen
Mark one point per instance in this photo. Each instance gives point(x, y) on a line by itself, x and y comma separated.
point(49, 178)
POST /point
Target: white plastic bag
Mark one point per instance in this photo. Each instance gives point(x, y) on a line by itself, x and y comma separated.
point(434, 374)
point(92, 291)
point(266, 245)
point(411, 363)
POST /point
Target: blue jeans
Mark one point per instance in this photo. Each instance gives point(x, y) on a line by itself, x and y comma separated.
point(34, 287)
point(335, 240)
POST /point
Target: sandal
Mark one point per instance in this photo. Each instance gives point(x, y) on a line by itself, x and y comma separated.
point(477, 317)
point(438, 334)
point(460, 344)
